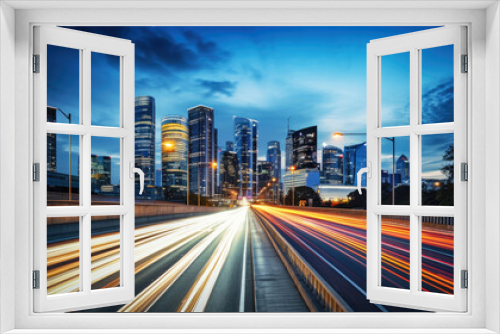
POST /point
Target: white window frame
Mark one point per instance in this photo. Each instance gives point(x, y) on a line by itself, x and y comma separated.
point(483, 293)
point(85, 43)
point(414, 43)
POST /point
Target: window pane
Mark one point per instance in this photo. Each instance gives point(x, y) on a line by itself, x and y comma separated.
point(437, 169)
point(63, 255)
point(105, 247)
point(395, 170)
point(63, 155)
point(395, 89)
point(437, 254)
point(395, 252)
point(105, 164)
point(437, 85)
point(63, 85)
point(105, 90)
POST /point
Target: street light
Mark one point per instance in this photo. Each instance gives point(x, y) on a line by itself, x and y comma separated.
point(170, 148)
point(214, 166)
point(68, 116)
point(292, 168)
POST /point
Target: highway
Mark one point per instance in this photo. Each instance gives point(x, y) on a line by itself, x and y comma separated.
point(205, 264)
point(335, 245)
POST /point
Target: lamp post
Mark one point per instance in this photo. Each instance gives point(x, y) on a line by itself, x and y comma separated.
point(214, 168)
point(274, 190)
point(68, 116)
point(292, 168)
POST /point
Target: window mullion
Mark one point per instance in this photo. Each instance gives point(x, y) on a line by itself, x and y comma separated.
point(415, 247)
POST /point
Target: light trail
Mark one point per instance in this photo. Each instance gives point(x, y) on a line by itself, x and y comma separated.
point(147, 297)
point(151, 243)
point(197, 298)
point(346, 235)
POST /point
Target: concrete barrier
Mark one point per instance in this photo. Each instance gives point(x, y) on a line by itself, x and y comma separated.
point(155, 210)
point(326, 295)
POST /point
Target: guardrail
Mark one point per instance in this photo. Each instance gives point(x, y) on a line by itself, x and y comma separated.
point(295, 264)
point(361, 212)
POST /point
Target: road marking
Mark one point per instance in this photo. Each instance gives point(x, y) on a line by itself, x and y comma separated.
point(243, 270)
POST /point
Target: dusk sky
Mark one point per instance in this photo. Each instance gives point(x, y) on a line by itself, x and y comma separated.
point(312, 75)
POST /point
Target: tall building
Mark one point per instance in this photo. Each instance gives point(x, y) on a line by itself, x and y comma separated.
point(333, 164)
point(305, 177)
point(201, 150)
point(354, 160)
point(101, 172)
point(403, 168)
point(305, 148)
point(229, 145)
point(145, 135)
point(289, 149)
point(174, 157)
point(229, 173)
point(246, 136)
point(274, 158)
point(216, 160)
point(51, 142)
point(264, 174)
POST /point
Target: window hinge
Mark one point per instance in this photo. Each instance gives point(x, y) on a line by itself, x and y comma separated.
point(465, 279)
point(36, 172)
point(464, 171)
point(36, 279)
point(465, 64)
point(36, 63)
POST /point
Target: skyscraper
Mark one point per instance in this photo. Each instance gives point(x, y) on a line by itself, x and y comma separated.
point(229, 145)
point(100, 172)
point(403, 168)
point(354, 160)
point(305, 148)
point(216, 160)
point(246, 137)
point(289, 149)
point(201, 150)
point(264, 174)
point(174, 157)
point(51, 142)
point(229, 173)
point(274, 158)
point(333, 164)
point(145, 129)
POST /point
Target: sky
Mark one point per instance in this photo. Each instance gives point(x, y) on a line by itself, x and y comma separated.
point(307, 75)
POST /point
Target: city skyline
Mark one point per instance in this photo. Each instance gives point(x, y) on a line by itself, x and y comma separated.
point(312, 75)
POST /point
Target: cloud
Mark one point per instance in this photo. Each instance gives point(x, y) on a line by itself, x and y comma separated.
point(159, 51)
point(437, 103)
point(213, 88)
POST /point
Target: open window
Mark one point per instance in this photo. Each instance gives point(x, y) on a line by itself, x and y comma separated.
point(85, 198)
point(427, 280)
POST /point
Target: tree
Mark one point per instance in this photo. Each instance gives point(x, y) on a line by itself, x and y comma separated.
point(301, 194)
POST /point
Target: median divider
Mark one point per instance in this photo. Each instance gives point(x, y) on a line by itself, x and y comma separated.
point(316, 292)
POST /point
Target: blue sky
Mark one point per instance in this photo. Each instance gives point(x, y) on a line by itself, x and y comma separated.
point(312, 75)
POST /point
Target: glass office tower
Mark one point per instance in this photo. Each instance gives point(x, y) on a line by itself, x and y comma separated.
point(274, 158)
point(305, 148)
point(246, 135)
point(201, 150)
point(145, 134)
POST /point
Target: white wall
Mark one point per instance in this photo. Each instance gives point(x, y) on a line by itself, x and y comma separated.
point(492, 162)
point(7, 158)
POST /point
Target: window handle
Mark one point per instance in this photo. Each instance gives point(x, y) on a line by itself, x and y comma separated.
point(368, 172)
point(139, 171)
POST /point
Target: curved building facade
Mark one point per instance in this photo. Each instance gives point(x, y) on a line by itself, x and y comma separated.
point(174, 157)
